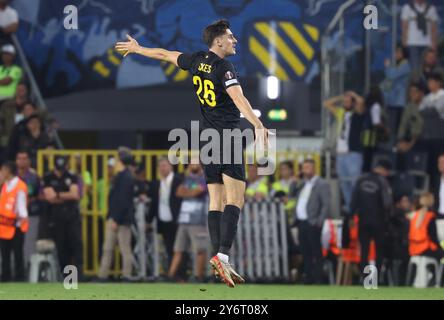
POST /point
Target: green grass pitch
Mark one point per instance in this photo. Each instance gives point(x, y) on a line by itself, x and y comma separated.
point(169, 291)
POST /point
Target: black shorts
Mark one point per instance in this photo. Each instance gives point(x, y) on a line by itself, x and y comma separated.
point(233, 166)
point(213, 172)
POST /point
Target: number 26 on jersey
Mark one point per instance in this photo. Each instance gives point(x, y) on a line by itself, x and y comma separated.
point(205, 91)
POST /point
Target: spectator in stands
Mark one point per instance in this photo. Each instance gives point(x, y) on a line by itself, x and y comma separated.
point(26, 111)
point(432, 111)
point(429, 65)
point(411, 122)
point(10, 73)
point(397, 250)
point(375, 125)
point(10, 114)
point(32, 180)
point(165, 205)
point(120, 217)
point(20, 129)
point(9, 22)
point(438, 188)
point(61, 194)
point(257, 186)
point(372, 202)
point(395, 85)
point(312, 209)
point(423, 237)
point(435, 99)
point(348, 110)
point(34, 138)
point(192, 231)
point(419, 28)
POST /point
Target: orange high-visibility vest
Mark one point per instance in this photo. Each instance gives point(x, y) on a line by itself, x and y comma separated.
point(8, 217)
point(352, 254)
point(419, 239)
point(332, 242)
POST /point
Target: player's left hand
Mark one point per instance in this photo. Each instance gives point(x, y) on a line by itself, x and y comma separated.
point(127, 47)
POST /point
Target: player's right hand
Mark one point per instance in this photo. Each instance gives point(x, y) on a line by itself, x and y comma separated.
point(261, 137)
point(127, 47)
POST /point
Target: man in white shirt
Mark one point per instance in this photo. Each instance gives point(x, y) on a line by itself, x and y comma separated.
point(435, 99)
point(9, 21)
point(165, 205)
point(13, 222)
point(419, 28)
point(313, 206)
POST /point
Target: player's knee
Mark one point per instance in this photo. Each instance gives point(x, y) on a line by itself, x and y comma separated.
point(217, 205)
point(236, 201)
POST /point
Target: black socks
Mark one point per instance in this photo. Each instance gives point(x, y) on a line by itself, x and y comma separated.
point(214, 218)
point(228, 228)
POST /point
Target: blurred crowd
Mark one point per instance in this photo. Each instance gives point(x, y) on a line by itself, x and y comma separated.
point(23, 125)
point(390, 149)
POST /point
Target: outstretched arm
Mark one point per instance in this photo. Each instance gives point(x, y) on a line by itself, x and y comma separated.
point(132, 46)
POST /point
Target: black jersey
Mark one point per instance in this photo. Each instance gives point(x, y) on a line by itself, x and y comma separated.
point(211, 77)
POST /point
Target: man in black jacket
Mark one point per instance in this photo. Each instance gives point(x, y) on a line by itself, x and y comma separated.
point(165, 205)
point(120, 217)
point(372, 201)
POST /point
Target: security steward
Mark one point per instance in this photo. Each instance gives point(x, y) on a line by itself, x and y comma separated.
point(372, 202)
point(423, 235)
point(13, 221)
point(61, 192)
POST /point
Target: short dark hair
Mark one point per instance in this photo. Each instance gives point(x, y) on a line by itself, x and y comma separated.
point(310, 161)
point(405, 51)
point(125, 156)
point(34, 116)
point(374, 96)
point(140, 168)
point(418, 85)
point(11, 167)
point(163, 158)
point(287, 163)
point(22, 151)
point(435, 76)
point(214, 30)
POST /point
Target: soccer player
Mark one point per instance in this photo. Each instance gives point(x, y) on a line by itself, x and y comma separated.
point(221, 101)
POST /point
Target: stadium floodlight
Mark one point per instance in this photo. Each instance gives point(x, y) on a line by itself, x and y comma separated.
point(273, 87)
point(257, 112)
